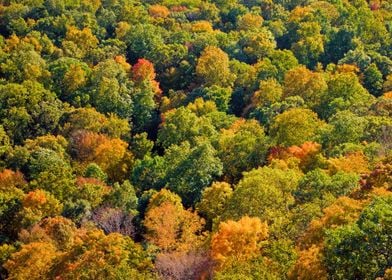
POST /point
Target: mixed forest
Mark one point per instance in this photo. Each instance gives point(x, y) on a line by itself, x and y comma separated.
point(195, 139)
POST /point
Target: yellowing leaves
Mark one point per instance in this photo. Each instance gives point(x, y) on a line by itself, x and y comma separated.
point(172, 228)
point(238, 241)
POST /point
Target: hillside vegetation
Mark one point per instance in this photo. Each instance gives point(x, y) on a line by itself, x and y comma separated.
point(195, 139)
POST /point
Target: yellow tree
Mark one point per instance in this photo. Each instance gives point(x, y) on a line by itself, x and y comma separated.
point(309, 266)
point(36, 205)
point(213, 67)
point(269, 92)
point(249, 21)
point(79, 43)
point(305, 83)
point(238, 241)
point(170, 227)
point(33, 261)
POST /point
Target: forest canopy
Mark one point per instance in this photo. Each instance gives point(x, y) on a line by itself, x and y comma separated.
point(196, 139)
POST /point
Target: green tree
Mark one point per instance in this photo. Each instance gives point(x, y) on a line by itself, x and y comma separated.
point(28, 110)
point(242, 147)
point(193, 171)
point(295, 126)
point(265, 193)
point(346, 128)
point(373, 80)
point(111, 89)
point(183, 125)
point(364, 247)
point(48, 171)
point(317, 184)
point(344, 93)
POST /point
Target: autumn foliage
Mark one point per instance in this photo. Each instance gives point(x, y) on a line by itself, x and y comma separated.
point(239, 241)
point(195, 139)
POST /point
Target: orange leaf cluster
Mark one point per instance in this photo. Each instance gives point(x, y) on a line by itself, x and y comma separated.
point(158, 11)
point(239, 241)
point(10, 179)
point(172, 228)
point(305, 153)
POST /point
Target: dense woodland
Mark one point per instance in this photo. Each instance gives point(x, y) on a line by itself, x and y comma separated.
point(195, 139)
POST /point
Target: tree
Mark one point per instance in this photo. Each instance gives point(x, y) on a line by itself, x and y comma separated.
point(37, 205)
point(306, 156)
point(145, 115)
point(114, 220)
point(94, 171)
point(158, 11)
point(91, 190)
point(177, 266)
point(317, 184)
point(283, 61)
point(213, 67)
point(344, 93)
point(33, 261)
point(257, 44)
point(213, 200)
point(242, 147)
point(70, 78)
point(172, 228)
point(28, 110)
point(346, 128)
point(149, 173)
point(91, 120)
point(79, 43)
point(111, 89)
point(22, 62)
point(269, 92)
point(343, 211)
point(309, 265)
point(373, 80)
point(351, 162)
point(123, 196)
point(221, 96)
point(238, 241)
point(249, 21)
point(142, 40)
point(364, 247)
point(144, 70)
point(194, 170)
point(50, 172)
point(305, 83)
point(310, 44)
point(295, 126)
point(11, 196)
point(181, 125)
point(110, 154)
point(101, 256)
point(264, 192)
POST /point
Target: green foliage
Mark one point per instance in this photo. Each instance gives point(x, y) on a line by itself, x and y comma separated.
point(264, 192)
point(28, 110)
point(242, 147)
point(190, 172)
point(362, 249)
point(51, 173)
point(123, 196)
point(94, 171)
point(344, 93)
point(183, 125)
point(317, 184)
point(296, 126)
